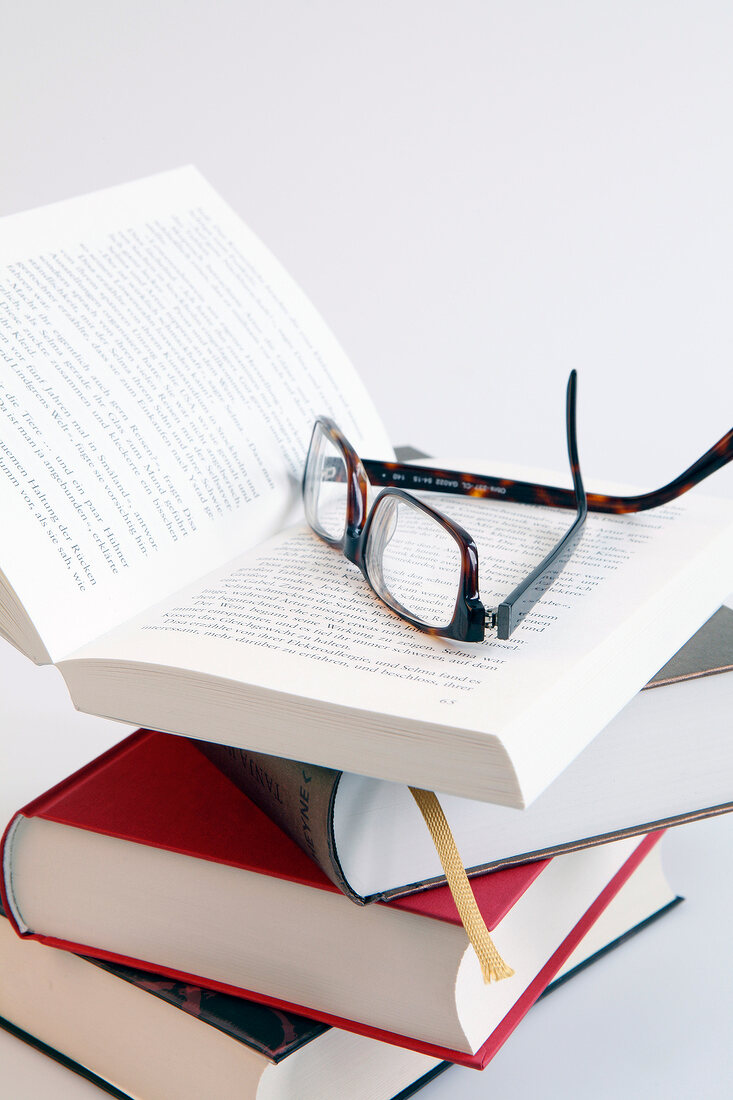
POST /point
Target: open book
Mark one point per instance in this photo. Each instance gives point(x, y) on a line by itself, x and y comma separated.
point(159, 378)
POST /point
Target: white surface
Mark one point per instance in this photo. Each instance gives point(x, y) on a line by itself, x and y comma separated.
point(478, 197)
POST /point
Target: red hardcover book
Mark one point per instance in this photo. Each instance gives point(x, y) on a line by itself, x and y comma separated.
point(150, 857)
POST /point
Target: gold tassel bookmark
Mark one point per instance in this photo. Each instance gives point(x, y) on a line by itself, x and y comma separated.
point(493, 966)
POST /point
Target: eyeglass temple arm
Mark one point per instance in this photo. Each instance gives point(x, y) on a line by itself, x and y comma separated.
point(511, 611)
point(406, 475)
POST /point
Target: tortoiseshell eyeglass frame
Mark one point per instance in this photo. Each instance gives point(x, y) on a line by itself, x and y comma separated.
point(471, 618)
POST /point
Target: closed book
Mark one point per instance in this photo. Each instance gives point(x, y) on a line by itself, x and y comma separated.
point(155, 1038)
point(666, 758)
point(191, 1042)
point(151, 857)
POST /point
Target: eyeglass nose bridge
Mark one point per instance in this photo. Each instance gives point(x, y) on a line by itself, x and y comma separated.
point(353, 546)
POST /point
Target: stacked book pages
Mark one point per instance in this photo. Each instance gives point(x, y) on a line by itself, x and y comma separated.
point(246, 883)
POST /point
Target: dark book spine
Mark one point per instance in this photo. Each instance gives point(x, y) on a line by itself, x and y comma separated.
point(68, 1063)
point(298, 797)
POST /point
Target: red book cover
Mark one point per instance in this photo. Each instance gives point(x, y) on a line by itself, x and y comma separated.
point(159, 790)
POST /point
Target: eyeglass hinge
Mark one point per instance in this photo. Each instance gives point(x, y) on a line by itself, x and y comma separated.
point(490, 618)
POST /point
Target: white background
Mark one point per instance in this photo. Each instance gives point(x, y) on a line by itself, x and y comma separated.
point(478, 197)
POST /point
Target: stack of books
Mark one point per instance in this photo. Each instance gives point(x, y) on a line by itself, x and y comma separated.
point(255, 904)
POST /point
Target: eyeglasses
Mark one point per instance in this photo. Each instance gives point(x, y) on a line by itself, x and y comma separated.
point(423, 565)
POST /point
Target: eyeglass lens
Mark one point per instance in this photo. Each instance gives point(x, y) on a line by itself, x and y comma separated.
point(413, 563)
point(326, 488)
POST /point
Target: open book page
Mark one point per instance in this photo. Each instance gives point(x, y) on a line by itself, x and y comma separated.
point(159, 378)
point(295, 617)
